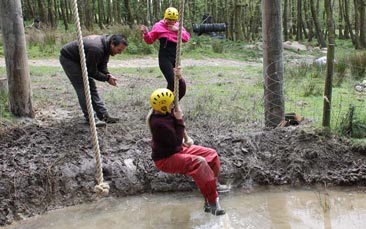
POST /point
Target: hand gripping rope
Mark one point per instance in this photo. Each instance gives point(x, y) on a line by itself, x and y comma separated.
point(101, 188)
point(178, 62)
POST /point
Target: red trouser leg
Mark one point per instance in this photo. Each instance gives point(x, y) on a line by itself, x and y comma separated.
point(201, 163)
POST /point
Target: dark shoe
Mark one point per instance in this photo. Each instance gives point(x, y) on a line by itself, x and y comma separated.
point(216, 208)
point(98, 123)
point(206, 207)
point(108, 119)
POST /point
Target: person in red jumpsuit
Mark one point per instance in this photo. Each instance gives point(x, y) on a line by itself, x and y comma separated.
point(171, 154)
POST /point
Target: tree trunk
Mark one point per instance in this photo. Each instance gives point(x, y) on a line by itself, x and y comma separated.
point(20, 94)
point(63, 14)
point(285, 20)
point(363, 24)
point(357, 24)
point(129, 13)
point(272, 62)
point(349, 25)
point(299, 25)
point(327, 103)
point(51, 14)
point(318, 31)
point(42, 11)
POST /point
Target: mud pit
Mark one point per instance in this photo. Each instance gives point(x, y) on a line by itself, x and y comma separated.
point(47, 165)
point(48, 162)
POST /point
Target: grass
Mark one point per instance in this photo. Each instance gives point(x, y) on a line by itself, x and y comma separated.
point(229, 94)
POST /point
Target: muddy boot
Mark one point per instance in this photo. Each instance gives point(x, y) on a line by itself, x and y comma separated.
point(108, 119)
point(206, 207)
point(216, 208)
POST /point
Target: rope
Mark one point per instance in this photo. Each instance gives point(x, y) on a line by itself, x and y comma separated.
point(187, 139)
point(102, 188)
point(178, 52)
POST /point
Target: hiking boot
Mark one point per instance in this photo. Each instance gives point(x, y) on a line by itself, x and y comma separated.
point(222, 188)
point(98, 123)
point(216, 208)
point(108, 119)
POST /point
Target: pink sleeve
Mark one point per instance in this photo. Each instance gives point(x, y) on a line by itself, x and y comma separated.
point(151, 36)
point(185, 35)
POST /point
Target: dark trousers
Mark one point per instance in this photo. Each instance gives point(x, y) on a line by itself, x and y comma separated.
point(167, 65)
point(74, 73)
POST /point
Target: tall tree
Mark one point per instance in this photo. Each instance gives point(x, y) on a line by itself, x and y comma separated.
point(20, 94)
point(318, 31)
point(349, 25)
point(285, 20)
point(299, 25)
point(272, 62)
point(327, 103)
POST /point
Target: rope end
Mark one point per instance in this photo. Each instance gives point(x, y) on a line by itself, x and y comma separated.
point(102, 189)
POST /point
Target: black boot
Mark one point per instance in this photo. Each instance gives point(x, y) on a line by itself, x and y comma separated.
point(108, 119)
point(206, 207)
point(216, 208)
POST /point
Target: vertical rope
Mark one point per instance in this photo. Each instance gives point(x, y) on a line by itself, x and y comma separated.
point(187, 139)
point(178, 52)
point(102, 188)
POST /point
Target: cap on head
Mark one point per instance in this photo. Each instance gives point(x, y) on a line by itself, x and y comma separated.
point(171, 13)
point(161, 99)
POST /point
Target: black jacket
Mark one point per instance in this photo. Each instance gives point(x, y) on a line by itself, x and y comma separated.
point(97, 51)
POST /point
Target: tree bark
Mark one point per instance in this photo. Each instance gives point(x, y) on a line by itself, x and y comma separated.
point(285, 20)
point(327, 103)
point(318, 31)
point(349, 25)
point(20, 94)
point(363, 24)
point(272, 62)
point(299, 35)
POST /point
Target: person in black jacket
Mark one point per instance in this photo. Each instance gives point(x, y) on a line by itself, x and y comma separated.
point(98, 49)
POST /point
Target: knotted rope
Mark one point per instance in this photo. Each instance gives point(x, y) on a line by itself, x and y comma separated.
point(101, 188)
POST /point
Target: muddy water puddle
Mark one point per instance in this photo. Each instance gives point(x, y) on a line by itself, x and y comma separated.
point(270, 208)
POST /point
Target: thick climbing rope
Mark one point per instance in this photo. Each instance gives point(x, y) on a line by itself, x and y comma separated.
point(187, 139)
point(178, 52)
point(101, 188)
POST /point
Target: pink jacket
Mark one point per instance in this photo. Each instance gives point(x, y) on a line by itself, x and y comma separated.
point(160, 29)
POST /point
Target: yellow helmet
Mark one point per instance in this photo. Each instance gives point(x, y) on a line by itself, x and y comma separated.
point(171, 13)
point(161, 99)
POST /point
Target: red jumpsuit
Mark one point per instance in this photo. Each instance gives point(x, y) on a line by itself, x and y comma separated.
point(170, 156)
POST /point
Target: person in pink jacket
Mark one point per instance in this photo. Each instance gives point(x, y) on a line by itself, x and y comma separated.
point(166, 31)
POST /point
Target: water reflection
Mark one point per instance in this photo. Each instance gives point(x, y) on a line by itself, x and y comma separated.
point(270, 208)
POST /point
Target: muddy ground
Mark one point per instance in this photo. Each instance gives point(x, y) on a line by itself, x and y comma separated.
point(48, 162)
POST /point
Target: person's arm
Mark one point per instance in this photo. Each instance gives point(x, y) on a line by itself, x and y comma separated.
point(92, 60)
point(185, 35)
point(149, 37)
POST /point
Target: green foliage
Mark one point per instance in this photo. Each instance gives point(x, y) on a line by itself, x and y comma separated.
point(340, 69)
point(217, 46)
point(353, 123)
point(357, 64)
point(4, 106)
